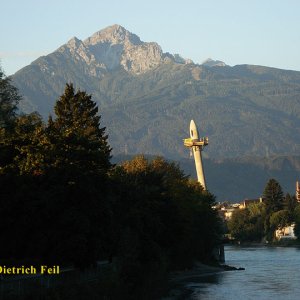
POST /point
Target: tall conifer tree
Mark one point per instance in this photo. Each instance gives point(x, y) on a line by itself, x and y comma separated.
point(273, 199)
point(273, 196)
point(79, 141)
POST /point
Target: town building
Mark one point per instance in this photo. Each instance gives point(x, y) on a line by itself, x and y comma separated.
point(286, 232)
point(245, 203)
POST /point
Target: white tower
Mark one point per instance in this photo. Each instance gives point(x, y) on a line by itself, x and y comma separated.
point(197, 144)
point(297, 191)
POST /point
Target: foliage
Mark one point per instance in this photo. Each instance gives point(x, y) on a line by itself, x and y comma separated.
point(257, 209)
point(274, 201)
point(261, 220)
point(61, 170)
point(297, 221)
point(279, 219)
point(77, 139)
point(26, 144)
point(165, 182)
point(290, 203)
point(247, 224)
point(73, 207)
point(9, 99)
point(273, 196)
point(160, 207)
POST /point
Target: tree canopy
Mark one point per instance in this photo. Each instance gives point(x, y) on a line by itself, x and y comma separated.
point(261, 220)
point(247, 224)
point(72, 206)
point(273, 196)
point(9, 99)
point(76, 136)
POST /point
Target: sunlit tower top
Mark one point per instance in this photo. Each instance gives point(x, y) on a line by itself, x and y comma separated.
point(298, 191)
point(197, 144)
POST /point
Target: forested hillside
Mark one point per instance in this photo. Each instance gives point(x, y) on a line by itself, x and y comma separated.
point(148, 97)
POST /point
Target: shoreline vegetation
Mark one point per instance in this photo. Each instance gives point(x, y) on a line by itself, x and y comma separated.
point(63, 202)
point(275, 219)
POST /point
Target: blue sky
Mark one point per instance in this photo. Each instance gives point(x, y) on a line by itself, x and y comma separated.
point(260, 32)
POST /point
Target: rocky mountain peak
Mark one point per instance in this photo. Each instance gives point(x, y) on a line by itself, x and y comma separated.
point(74, 42)
point(114, 48)
point(114, 34)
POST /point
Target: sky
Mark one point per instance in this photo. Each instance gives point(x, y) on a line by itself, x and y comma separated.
point(259, 32)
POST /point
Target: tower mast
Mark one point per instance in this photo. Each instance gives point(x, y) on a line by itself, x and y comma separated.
point(197, 144)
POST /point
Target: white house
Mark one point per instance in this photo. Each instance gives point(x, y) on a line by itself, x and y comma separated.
point(286, 232)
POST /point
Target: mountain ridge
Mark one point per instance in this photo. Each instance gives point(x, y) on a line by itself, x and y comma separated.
point(147, 97)
point(114, 47)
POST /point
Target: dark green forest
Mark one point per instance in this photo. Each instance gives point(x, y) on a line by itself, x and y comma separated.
point(63, 201)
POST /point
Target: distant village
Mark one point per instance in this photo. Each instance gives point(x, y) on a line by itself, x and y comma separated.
point(226, 210)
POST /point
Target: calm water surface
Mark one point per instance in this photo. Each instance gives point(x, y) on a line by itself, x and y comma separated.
point(271, 273)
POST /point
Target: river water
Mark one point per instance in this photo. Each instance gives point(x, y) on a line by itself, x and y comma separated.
point(270, 273)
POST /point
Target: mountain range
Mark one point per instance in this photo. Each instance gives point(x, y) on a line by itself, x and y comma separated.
point(147, 98)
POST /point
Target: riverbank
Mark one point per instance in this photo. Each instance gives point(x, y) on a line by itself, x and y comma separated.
point(279, 243)
point(270, 273)
point(179, 278)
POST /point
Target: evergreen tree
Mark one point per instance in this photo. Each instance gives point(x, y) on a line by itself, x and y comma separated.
point(62, 170)
point(273, 199)
point(273, 196)
point(9, 99)
point(77, 160)
point(28, 141)
point(79, 143)
point(290, 204)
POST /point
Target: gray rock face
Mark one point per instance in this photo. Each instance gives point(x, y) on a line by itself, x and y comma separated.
point(213, 63)
point(113, 48)
point(114, 34)
point(78, 50)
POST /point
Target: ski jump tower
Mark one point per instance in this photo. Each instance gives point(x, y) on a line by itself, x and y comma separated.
point(196, 145)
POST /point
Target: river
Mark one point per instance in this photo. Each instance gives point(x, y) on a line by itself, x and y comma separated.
point(270, 273)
